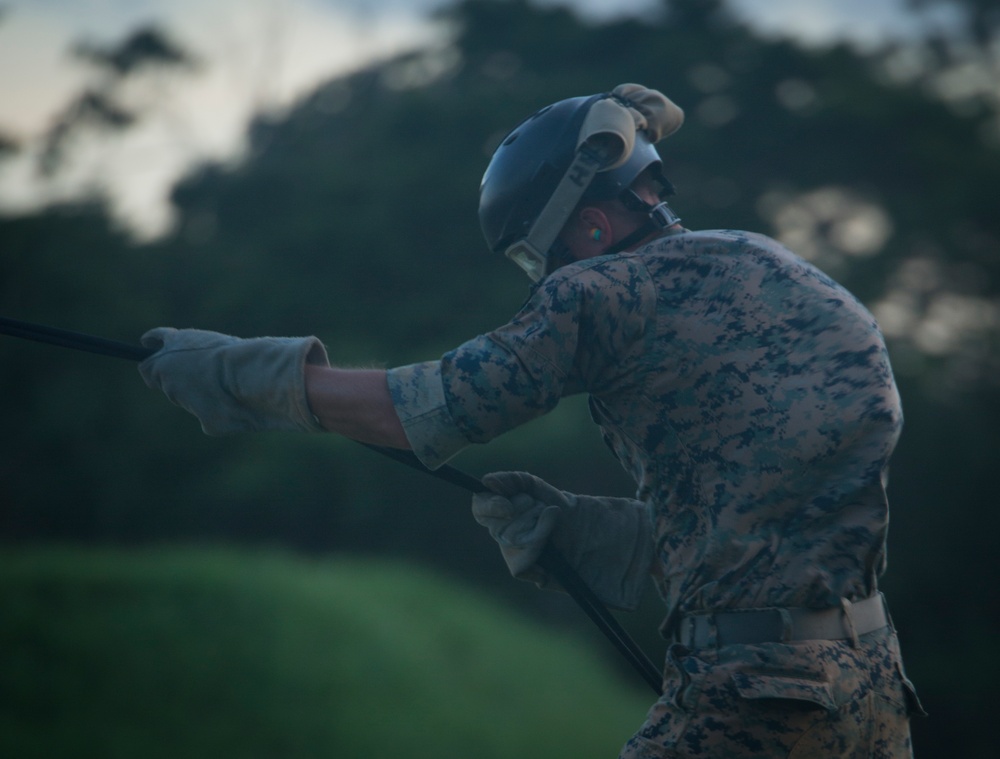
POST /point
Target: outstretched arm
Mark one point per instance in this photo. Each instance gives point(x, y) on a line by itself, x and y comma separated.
point(269, 383)
point(355, 403)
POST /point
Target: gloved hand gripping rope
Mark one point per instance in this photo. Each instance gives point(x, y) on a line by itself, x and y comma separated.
point(285, 357)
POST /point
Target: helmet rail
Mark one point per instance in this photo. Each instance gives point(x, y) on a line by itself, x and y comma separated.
point(604, 143)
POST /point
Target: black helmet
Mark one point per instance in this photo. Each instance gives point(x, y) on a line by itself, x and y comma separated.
point(532, 160)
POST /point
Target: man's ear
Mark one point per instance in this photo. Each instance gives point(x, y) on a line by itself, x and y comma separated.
point(595, 226)
point(585, 235)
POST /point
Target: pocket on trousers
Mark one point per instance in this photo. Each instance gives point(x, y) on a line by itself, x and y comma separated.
point(913, 705)
point(804, 691)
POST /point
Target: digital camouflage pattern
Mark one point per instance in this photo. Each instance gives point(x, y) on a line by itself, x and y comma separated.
point(749, 395)
point(814, 699)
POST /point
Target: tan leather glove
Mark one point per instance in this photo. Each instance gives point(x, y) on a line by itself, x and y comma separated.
point(653, 112)
point(608, 541)
point(232, 384)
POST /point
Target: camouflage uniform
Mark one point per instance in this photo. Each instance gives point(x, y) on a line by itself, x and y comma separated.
point(815, 699)
point(752, 400)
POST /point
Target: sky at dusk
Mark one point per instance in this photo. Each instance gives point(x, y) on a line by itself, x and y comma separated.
point(263, 55)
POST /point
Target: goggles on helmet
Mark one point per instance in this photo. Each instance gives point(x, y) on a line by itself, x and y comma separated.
point(580, 149)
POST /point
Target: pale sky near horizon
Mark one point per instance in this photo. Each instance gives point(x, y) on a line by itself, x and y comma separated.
point(265, 54)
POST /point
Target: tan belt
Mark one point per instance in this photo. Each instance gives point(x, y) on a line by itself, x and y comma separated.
point(783, 625)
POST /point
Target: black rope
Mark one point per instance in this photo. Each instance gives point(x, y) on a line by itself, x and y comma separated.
point(64, 338)
point(551, 561)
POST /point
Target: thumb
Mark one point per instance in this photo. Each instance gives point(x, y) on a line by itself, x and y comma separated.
point(156, 338)
point(509, 483)
point(488, 507)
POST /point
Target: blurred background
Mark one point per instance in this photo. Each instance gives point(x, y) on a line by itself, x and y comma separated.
point(311, 167)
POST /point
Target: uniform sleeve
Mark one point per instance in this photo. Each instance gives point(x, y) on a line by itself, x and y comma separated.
point(518, 372)
point(561, 342)
point(418, 396)
point(474, 393)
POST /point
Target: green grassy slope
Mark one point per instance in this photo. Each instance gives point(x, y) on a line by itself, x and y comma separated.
point(190, 653)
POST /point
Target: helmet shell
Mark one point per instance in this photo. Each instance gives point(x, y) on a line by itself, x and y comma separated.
point(530, 162)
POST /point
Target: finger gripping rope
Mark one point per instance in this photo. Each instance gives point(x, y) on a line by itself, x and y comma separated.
point(550, 561)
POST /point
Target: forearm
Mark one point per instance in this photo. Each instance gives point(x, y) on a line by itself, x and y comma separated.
point(355, 403)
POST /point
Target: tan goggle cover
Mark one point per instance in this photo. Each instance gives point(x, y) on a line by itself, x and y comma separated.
point(606, 140)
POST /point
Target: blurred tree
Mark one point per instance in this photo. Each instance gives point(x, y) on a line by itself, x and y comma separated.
point(354, 218)
point(982, 17)
point(144, 48)
point(105, 105)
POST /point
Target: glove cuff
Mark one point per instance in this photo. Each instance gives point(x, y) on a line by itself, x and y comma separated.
point(311, 352)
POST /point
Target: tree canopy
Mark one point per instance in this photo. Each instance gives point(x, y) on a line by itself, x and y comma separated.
point(353, 217)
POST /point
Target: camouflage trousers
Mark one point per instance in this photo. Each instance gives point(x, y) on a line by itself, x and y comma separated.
point(806, 699)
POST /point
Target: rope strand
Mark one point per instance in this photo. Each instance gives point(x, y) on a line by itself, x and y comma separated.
point(551, 560)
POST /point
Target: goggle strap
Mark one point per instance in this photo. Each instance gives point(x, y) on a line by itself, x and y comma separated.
point(531, 252)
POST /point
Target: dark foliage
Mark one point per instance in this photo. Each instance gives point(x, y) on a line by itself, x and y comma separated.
point(354, 218)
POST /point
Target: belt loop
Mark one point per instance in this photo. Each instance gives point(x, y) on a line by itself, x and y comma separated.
point(711, 631)
point(885, 608)
point(845, 605)
point(786, 624)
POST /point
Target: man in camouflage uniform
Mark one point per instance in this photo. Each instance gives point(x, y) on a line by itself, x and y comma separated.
point(748, 394)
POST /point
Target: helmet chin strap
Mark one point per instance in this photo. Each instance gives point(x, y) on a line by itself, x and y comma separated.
point(660, 217)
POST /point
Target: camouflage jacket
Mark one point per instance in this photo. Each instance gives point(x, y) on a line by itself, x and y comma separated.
point(749, 395)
